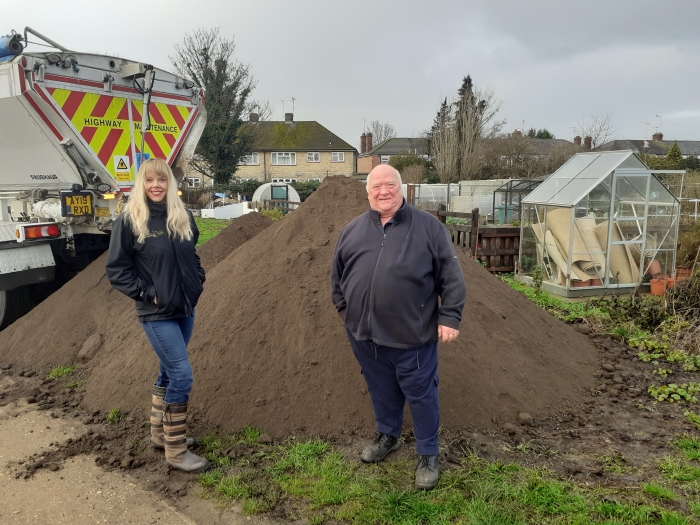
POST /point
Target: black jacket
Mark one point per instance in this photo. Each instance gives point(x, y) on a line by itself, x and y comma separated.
point(385, 285)
point(160, 269)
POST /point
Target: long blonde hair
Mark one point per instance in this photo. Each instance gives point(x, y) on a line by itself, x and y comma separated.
point(137, 212)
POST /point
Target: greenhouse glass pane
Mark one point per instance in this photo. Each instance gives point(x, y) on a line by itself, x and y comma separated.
point(574, 166)
point(658, 193)
point(631, 188)
point(572, 192)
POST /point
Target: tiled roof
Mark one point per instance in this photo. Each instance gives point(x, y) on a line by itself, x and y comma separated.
point(655, 147)
point(545, 146)
point(296, 136)
point(396, 145)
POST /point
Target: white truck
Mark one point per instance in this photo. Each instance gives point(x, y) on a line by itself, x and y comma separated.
point(70, 144)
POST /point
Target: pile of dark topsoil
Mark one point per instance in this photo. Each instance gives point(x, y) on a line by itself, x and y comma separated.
point(269, 349)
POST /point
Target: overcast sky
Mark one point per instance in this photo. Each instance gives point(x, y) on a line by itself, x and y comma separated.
point(551, 63)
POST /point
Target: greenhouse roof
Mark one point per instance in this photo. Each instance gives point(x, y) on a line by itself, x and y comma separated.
point(580, 175)
point(516, 185)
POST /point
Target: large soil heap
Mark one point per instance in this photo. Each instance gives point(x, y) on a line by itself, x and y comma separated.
point(269, 349)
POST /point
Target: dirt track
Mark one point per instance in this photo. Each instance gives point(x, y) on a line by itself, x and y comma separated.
point(45, 478)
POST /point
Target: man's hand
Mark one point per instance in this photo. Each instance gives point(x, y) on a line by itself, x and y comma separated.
point(447, 334)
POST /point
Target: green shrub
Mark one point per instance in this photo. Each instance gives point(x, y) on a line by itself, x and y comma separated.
point(275, 214)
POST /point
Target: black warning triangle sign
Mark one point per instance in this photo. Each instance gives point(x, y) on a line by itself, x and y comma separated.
point(122, 165)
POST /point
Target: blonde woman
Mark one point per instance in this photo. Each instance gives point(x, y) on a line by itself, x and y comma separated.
point(152, 259)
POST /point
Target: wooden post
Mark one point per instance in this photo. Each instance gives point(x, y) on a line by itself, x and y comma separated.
point(442, 218)
point(475, 229)
point(411, 194)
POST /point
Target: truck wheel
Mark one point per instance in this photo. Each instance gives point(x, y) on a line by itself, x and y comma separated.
point(14, 304)
point(3, 309)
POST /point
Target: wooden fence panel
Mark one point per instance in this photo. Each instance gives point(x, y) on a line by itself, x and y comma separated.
point(496, 246)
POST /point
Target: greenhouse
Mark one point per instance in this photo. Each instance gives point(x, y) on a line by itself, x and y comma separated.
point(507, 199)
point(602, 221)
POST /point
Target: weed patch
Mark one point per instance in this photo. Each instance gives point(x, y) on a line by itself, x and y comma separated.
point(659, 492)
point(60, 371)
point(114, 416)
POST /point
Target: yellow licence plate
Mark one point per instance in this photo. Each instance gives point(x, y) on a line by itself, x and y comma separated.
point(76, 204)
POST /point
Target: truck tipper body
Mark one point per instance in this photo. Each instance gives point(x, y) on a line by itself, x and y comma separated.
point(74, 128)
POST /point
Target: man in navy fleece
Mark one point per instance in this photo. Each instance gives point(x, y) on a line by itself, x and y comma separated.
point(397, 284)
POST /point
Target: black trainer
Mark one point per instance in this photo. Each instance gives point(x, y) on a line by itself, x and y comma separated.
point(380, 448)
point(427, 472)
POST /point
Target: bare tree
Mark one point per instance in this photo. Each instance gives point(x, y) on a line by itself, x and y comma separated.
point(381, 132)
point(414, 174)
point(599, 127)
point(459, 128)
point(207, 60)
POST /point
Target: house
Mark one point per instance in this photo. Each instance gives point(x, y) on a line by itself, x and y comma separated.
point(381, 153)
point(656, 147)
point(292, 151)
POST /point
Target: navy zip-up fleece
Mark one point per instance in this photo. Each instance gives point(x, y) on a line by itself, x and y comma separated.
point(167, 270)
point(385, 284)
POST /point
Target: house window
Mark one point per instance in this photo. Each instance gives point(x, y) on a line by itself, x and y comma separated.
point(250, 160)
point(384, 159)
point(338, 156)
point(194, 182)
point(313, 156)
point(284, 159)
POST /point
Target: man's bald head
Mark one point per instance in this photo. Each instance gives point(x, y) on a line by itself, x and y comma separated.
point(383, 169)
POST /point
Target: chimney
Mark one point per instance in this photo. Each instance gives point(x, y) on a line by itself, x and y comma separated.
point(517, 134)
point(254, 117)
point(363, 143)
point(577, 140)
point(369, 142)
point(587, 141)
point(289, 117)
point(658, 136)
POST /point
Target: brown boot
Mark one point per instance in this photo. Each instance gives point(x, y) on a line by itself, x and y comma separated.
point(157, 403)
point(174, 430)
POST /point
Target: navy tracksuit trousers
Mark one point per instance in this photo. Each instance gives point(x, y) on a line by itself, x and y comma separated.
point(394, 376)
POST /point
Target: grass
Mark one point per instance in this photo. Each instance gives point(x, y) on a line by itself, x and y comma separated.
point(313, 482)
point(75, 384)
point(659, 492)
point(564, 310)
point(690, 445)
point(614, 463)
point(114, 416)
point(208, 228)
point(60, 371)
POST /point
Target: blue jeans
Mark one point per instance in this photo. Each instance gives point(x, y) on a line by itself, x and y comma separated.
point(169, 339)
point(395, 376)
